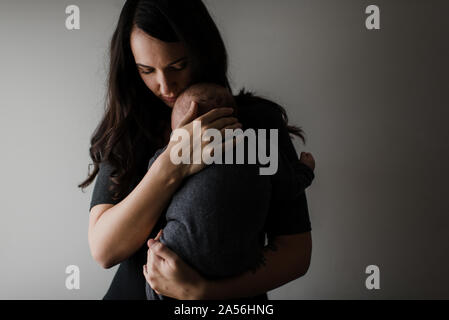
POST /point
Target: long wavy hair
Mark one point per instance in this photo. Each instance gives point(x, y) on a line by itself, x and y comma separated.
point(135, 120)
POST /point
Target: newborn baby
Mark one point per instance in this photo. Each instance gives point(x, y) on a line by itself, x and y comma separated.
point(208, 96)
point(215, 220)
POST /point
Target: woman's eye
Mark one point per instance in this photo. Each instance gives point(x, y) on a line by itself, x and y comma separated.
point(176, 68)
point(179, 67)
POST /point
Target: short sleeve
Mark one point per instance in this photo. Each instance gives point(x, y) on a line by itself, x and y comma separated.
point(289, 212)
point(101, 193)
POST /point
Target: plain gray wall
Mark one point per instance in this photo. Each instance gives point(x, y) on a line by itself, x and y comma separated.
point(373, 104)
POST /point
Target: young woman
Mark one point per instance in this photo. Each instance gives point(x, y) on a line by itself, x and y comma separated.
point(158, 49)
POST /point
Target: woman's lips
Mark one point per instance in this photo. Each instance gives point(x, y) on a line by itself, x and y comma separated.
point(170, 100)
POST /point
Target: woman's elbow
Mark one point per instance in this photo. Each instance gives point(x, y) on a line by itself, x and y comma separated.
point(101, 254)
point(103, 261)
point(305, 255)
point(300, 264)
point(299, 249)
point(304, 267)
point(101, 257)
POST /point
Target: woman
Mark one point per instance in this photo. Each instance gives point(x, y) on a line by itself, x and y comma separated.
point(158, 49)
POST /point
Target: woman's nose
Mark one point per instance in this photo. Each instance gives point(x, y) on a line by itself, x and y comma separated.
point(166, 87)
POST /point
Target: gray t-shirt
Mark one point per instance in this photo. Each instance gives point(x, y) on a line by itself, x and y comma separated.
point(288, 209)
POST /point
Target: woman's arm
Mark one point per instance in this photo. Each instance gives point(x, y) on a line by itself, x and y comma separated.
point(287, 258)
point(115, 233)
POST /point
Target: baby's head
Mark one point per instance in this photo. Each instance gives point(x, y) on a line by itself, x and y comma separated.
point(208, 96)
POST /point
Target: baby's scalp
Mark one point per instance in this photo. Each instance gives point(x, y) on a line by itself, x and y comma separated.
point(208, 96)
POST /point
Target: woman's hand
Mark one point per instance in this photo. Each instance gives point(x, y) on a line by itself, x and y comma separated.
point(219, 118)
point(168, 275)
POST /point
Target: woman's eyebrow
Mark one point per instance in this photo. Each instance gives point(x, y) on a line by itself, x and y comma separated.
point(172, 63)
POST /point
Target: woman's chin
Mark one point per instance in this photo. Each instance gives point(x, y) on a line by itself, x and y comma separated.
point(169, 104)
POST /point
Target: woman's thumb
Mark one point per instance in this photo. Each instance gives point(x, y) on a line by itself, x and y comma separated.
point(190, 114)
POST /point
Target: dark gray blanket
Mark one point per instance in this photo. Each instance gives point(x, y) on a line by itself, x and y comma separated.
point(215, 220)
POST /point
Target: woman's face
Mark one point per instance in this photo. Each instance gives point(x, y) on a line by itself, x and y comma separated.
point(163, 66)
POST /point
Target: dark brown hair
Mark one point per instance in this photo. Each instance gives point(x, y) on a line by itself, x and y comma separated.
point(135, 121)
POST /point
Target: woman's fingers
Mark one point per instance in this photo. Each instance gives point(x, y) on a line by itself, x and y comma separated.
point(158, 235)
point(153, 259)
point(150, 242)
point(156, 261)
point(161, 251)
point(218, 118)
point(237, 125)
point(223, 122)
point(214, 114)
point(190, 115)
point(226, 144)
point(232, 143)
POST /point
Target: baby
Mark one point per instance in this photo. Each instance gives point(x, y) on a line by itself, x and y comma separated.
point(218, 237)
point(209, 96)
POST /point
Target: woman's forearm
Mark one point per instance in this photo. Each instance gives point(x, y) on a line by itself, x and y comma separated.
point(123, 228)
point(286, 260)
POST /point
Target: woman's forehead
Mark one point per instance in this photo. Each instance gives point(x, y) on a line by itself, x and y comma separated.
point(154, 53)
